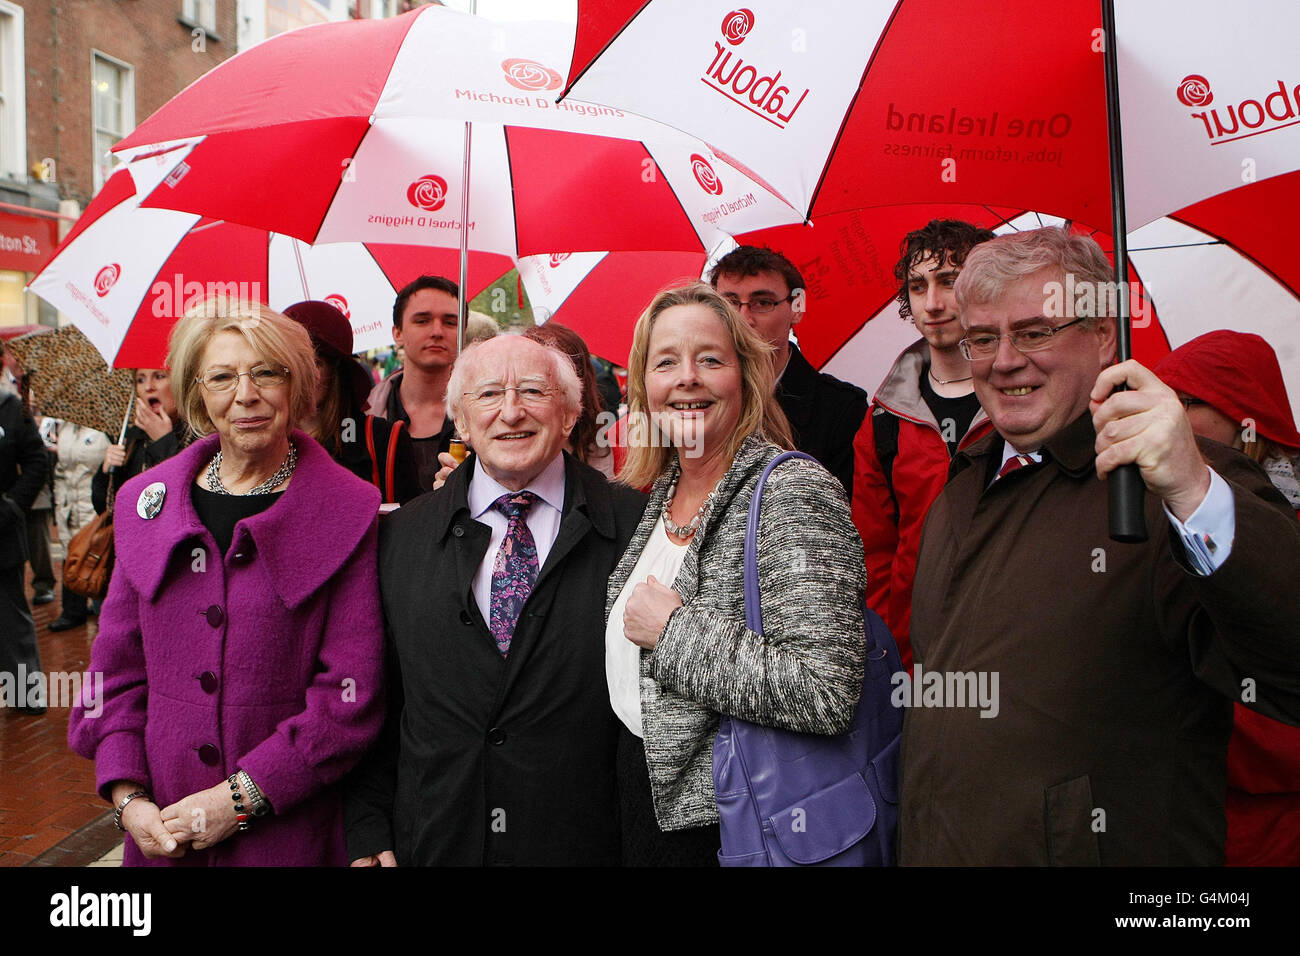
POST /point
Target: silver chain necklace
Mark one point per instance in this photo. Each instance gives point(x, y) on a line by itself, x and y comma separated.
point(948, 381)
point(688, 530)
point(266, 487)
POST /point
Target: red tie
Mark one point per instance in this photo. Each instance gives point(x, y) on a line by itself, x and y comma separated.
point(1014, 463)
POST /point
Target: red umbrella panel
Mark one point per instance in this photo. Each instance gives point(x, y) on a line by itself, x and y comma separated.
point(126, 273)
point(841, 106)
point(600, 295)
point(377, 152)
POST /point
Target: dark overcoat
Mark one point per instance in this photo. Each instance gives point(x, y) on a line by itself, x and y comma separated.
point(1117, 665)
point(488, 760)
point(824, 412)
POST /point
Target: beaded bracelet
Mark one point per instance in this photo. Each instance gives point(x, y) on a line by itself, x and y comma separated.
point(240, 814)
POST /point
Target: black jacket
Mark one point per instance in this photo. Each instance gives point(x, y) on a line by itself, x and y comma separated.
point(485, 759)
point(354, 455)
point(825, 414)
point(24, 467)
point(142, 453)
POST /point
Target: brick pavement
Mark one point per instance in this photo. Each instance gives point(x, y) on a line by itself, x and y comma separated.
point(47, 793)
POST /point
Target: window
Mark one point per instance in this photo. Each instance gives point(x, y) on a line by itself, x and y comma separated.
point(113, 93)
point(13, 95)
point(201, 13)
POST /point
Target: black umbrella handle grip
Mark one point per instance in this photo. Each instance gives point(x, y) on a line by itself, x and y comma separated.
point(1127, 511)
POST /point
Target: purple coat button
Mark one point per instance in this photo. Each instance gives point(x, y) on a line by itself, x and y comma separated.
point(215, 615)
point(209, 754)
point(208, 681)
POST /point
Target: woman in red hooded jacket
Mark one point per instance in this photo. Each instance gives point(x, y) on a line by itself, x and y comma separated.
point(1232, 386)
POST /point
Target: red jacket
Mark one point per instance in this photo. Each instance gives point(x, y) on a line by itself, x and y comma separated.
point(1238, 374)
point(919, 473)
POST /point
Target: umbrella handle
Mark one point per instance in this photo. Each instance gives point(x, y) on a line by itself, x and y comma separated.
point(126, 419)
point(1125, 486)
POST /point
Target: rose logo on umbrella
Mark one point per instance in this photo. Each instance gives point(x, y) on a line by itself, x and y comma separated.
point(428, 192)
point(705, 176)
point(339, 303)
point(736, 26)
point(106, 278)
point(558, 257)
point(1195, 91)
point(530, 75)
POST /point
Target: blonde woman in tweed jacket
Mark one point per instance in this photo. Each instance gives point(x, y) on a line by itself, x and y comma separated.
point(703, 423)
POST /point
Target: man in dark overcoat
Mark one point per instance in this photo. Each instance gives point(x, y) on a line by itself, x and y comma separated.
point(24, 468)
point(1116, 664)
point(500, 742)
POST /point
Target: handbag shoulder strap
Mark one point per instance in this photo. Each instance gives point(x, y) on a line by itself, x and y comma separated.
point(370, 448)
point(753, 613)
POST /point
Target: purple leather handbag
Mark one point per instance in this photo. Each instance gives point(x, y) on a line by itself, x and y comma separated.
point(792, 799)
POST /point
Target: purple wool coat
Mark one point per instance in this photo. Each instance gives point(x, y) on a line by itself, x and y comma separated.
point(269, 660)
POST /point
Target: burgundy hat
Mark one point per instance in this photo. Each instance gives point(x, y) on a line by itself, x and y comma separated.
point(331, 336)
point(1238, 374)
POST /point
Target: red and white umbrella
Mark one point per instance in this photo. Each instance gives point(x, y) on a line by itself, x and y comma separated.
point(125, 274)
point(600, 295)
point(847, 105)
point(354, 131)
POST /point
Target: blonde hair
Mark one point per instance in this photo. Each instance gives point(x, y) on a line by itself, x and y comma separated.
point(277, 338)
point(760, 414)
point(480, 327)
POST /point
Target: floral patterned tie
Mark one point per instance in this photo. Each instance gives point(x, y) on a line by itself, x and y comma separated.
point(514, 569)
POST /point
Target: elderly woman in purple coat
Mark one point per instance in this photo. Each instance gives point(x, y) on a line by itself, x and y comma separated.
point(241, 640)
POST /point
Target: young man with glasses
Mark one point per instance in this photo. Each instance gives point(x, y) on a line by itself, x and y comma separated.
point(1121, 662)
point(924, 410)
point(824, 412)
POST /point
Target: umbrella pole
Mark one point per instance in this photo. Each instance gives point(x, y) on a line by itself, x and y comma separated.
point(121, 435)
point(1127, 522)
point(464, 246)
point(464, 231)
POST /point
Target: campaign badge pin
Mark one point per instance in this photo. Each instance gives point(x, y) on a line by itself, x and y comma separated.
point(150, 501)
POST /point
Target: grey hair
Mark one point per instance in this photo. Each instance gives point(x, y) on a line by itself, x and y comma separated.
point(563, 374)
point(995, 265)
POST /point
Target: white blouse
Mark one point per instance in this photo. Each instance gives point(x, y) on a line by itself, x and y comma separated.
point(662, 557)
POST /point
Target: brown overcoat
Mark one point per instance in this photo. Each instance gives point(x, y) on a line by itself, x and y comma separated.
point(1117, 666)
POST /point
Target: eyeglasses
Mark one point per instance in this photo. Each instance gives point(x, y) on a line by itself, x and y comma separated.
point(758, 304)
point(262, 376)
point(984, 345)
point(492, 396)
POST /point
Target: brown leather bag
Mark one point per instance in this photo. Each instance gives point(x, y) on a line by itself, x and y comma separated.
point(89, 558)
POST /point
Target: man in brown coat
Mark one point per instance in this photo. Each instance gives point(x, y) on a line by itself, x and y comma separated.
point(1116, 664)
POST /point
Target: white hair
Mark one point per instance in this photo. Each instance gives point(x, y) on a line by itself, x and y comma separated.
point(563, 375)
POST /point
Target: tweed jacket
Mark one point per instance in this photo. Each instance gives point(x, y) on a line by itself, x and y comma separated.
point(803, 674)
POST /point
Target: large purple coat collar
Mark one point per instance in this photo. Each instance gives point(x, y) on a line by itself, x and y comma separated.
point(305, 537)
